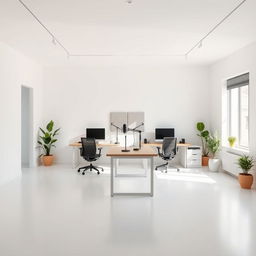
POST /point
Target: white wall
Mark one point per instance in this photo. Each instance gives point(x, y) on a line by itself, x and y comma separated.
point(80, 97)
point(238, 63)
point(15, 70)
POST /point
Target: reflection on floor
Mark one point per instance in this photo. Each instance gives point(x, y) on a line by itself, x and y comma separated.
point(192, 175)
point(57, 212)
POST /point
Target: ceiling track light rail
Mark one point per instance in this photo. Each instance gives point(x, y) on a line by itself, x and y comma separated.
point(199, 44)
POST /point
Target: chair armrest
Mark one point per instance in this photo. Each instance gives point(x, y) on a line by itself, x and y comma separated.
point(158, 150)
point(99, 150)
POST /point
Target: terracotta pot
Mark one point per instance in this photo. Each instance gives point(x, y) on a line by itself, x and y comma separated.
point(47, 160)
point(245, 180)
point(205, 160)
point(214, 164)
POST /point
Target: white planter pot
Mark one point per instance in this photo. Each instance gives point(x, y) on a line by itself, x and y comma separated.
point(214, 164)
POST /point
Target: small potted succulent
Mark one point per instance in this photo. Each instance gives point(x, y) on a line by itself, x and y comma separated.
point(204, 135)
point(232, 141)
point(213, 144)
point(47, 141)
point(246, 163)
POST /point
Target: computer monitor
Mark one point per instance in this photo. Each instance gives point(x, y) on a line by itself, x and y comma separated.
point(96, 133)
point(160, 133)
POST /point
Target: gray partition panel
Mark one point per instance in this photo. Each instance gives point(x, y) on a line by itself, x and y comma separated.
point(134, 119)
point(118, 119)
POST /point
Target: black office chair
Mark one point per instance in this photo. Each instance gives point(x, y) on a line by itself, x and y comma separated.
point(88, 152)
point(169, 150)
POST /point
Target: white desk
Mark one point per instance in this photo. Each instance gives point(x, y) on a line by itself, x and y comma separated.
point(116, 153)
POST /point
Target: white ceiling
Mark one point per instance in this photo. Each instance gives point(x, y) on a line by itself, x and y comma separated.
point(145, 27)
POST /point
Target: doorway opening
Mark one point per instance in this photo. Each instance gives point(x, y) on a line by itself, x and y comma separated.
point(26, 127)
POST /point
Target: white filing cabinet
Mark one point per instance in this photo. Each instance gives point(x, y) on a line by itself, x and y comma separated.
point(191, 156)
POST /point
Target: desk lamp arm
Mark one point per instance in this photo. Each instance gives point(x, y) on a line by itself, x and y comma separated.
point(117, 128)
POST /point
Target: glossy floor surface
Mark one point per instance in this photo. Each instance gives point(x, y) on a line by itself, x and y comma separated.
point(57, 212)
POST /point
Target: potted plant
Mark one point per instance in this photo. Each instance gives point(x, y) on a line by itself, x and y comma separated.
point(204, 135)
point(245, 179)
point(47, 141)
point(213, 144)
point(232, 141)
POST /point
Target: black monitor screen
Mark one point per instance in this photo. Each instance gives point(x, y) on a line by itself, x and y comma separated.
point(96, 133)
point(160, 133)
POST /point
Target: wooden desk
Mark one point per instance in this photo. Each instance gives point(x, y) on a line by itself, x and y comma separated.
point(146, 152)
point(153, 144)
point(76, 145)
point(103, 144)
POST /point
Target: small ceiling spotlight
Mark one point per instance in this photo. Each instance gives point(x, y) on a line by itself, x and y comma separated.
point(53, 40)
point(129, 1)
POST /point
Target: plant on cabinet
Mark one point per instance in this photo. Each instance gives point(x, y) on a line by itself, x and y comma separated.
point(246, 163)
point(213, 144)
point(46, 141)
point(204, 135)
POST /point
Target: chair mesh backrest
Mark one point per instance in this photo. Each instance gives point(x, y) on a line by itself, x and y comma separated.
point(88, 147)
point(169, 146)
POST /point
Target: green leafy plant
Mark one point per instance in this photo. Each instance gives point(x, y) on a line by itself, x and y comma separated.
point(246, 163)
point(47, 138)
point(232, 141)
point(204, 135)
point(213, 144)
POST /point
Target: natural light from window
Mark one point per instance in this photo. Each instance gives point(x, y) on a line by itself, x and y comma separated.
point(238, 110)
point(192, 176)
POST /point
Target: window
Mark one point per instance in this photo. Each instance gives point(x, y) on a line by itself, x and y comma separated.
point(238, 109)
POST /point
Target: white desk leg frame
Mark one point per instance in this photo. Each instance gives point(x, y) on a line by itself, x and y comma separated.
point(145, 167)
point(113, 170)
point(152, 175)
point(112, 177)
point(75, 157)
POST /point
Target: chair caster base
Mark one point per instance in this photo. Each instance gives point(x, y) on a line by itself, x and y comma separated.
point(91, 168)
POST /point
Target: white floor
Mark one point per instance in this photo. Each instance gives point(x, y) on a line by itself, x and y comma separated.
point(57, 212)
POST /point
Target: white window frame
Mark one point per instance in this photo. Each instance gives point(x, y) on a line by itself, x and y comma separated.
point(239, 115)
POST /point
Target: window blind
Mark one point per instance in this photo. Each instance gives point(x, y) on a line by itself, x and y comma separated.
point(238, 81)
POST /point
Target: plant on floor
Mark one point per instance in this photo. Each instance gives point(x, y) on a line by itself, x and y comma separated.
point(246, 163)
point(232, 141)
point(47, 140)
point(213, 144)
point(203, 134)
